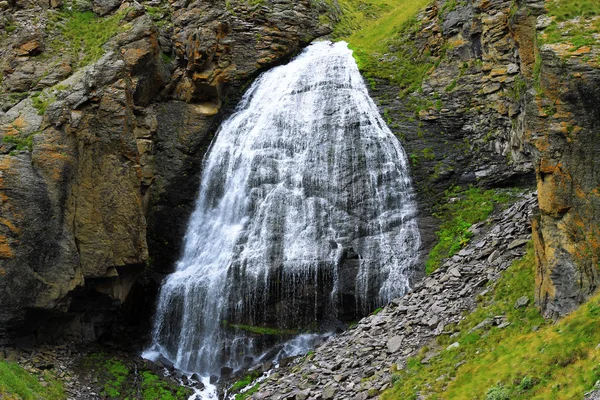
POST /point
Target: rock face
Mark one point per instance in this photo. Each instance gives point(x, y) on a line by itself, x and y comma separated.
point(99, 171)
point(357, 364)
point(562, 122)
point(500, 106)
point(467, 125)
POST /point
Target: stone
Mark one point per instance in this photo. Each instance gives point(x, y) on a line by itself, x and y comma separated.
point(329, 392)
point(453, 346)
point(483, 324)
point(455, 272)
point(394, 343)
point(302, 394)
point(522, 302)
point(512, 69)
point(103, 7)
point(517, 243)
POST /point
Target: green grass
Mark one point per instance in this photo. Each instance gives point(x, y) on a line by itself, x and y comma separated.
point(376, 27)
point(260, 330)
point(21, 143)
point(42, 101)
point(250, 392)
point(558, 361)
point(565, 10)
point(18, 384)
point(83, 33)
point(117, 373)
point(245, 381)
point(580, 19)
point(118, 381)
point(153, 388)
point(461, 210)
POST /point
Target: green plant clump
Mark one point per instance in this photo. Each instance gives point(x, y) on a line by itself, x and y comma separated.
point(260, 330)
point(20, 144)
point(18, 384)
point(242, 383)
point(118, 381)
point(461, 210)
point(83, 33)
point(248, 393)
point(153, 388)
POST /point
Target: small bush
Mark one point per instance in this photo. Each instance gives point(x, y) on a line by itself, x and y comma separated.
point(497, 392)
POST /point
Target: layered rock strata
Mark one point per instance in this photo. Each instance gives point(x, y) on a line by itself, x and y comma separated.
point(563, 120)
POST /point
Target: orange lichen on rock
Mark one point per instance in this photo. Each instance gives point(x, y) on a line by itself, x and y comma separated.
point(544, 287)
point(10, 226)
point(5, 251)
point(554, 189)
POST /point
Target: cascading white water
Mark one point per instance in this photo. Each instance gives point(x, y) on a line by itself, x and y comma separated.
point(305, 211)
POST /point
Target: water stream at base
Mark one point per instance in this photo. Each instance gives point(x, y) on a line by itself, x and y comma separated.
point(305, 217)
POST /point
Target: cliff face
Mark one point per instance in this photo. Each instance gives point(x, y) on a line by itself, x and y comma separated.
point(101, 146)
point(563, 124)
point(466, 125)
point(512, 90)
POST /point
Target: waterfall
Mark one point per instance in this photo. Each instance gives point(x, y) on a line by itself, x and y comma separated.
point(305, 217)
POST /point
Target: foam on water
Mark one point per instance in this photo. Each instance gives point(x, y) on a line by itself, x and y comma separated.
point(305, 207)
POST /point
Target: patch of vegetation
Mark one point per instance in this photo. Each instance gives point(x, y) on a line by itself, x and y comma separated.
point(10, 28)
point(565, 10)
point(20, 143)
point(461, 210)
point(575, 22)
point(528, 359)
point(244, 382)
point(18, 384)
point(377, 311)
point(119, 381)
point(379, 32)
point(153, 388)
point(161, 14)
point(83, 33)
point(518, 89)
point(41, 102)
point(261, 330)
point(248, 393)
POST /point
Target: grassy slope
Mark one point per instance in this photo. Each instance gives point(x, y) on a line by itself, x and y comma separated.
point(558, 361)
point(461, 210)
point(575, 22)
point(373, 28)
point(17, 384)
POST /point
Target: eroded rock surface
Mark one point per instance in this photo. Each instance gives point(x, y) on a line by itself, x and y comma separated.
point(562, 122)
point(100, 155)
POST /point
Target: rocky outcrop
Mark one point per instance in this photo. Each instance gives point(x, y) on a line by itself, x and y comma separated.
point(508, 99)
point(100, 154)
point(466, 125)
point(358, 363)
point(562, 123)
